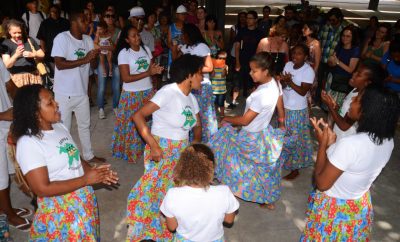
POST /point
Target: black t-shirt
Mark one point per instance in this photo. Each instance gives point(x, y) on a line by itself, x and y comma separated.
point(22, 64)
point(248, 39)
point(48, 30)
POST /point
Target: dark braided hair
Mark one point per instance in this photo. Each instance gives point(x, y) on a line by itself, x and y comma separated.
point(380, 109)
point(25, 112)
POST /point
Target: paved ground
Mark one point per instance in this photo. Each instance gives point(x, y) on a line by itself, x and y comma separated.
point(252, 223)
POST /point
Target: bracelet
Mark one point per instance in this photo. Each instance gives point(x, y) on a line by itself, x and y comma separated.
point(281, 120)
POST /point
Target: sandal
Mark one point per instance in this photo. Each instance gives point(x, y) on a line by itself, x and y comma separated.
point(23, 212)
point(25, 227)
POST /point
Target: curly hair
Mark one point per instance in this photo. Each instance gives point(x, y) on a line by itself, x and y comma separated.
point(25, 112)
point(16, 23)
point(184, 66)
point(195, 166)
point(377, 103)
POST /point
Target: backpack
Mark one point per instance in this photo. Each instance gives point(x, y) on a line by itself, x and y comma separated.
point(28, 17)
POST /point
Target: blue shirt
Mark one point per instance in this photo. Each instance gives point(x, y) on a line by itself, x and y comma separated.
point(393, 70)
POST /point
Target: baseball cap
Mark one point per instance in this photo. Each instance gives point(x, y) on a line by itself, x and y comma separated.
point(136, 12)
point(181, 9)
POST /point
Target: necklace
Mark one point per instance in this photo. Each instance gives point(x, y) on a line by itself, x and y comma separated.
point(277, 52)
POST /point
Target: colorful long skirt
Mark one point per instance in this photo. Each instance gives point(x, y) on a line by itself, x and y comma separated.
point(334, 219)
point(180, 238)
point(144, 200)
point(70, 217)
point(127, 143)
point(209, 124)
point(298, 155)
point(248, 162)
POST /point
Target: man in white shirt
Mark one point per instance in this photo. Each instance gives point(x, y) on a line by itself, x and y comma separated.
point(73, 54)
point(136, 19)
point(33, 18)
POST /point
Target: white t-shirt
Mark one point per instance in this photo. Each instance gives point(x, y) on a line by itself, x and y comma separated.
point(139, 62)
point(5, 103)
point(361, 160)
point(177, 113)
point(71, 82)
point(199, 212)
point(291, 99)
point(56, 150)
point(342, 112)
point(35, 19)
point(262, 101)
point(201, 50)
point(147, 39)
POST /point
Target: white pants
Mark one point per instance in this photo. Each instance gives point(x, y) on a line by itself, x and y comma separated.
point(81, 107)
point(6, 167)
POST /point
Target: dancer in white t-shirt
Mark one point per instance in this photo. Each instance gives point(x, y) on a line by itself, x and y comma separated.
point(175, 112)
point(51, 164)
point(136, 67)
point(196, 209)
point(366, 74)
point(73, 54)
point(247, 161)
point(297, 81)
point(345, 169)
point(195, 44)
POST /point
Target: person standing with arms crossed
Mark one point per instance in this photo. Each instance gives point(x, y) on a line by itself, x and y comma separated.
point(73, 54)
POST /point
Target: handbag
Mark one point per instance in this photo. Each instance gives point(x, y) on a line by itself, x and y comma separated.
point(43, 70)
point(39, 65)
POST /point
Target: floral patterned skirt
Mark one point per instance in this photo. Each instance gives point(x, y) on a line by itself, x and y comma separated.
point(127, 143)
point(209, 124)
point(248, 162)
point(298, 155)
point(70, 217)
point(334, 219)
point(144, 200)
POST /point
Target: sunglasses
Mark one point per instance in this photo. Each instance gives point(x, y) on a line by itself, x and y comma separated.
point(109, 16)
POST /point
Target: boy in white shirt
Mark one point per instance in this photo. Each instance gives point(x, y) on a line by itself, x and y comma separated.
point(73, 54)
point(33, 18)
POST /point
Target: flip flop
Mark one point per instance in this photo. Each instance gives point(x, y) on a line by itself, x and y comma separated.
point(23, 212)
point(20, 226)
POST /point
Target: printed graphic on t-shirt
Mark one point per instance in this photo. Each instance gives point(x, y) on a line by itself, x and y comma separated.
point(80, 53)
point(72, 152)
point(142, 64)
point(189, 118)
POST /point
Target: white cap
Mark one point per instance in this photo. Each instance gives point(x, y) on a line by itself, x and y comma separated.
point(136, 12)
point(181, 9)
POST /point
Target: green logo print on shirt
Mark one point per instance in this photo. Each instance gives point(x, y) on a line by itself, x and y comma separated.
point(189, 118)
point(142, 64)
point(71, 151)
point(80, 53)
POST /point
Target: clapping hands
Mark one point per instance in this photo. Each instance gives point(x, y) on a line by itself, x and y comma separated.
point(323, 132)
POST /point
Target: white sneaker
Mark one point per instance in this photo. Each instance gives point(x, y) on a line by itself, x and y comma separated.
point(115, 111)
point(102, 115)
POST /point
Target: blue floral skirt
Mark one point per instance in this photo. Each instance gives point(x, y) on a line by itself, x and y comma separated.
point(248, 162)
point(209, 123)
point(299, 154)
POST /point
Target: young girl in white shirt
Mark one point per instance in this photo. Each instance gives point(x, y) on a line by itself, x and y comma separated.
point(365, 75)
point(196, 209)
point(341, 209)
point(247, 161)
point(297, 80)
point(136, 67)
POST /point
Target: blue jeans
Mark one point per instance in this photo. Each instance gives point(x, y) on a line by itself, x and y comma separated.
point(115, 80)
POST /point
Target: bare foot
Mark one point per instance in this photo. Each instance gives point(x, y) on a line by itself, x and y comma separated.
point(269, 206)
point(292, 175)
